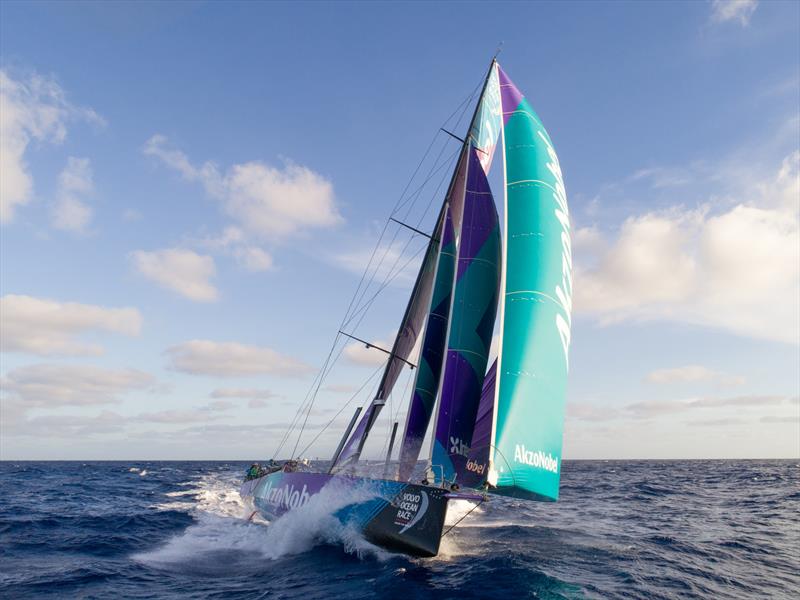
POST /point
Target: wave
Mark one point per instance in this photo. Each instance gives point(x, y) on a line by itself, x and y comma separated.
point(222, 526)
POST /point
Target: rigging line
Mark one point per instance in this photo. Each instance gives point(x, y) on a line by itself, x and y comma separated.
point(363, 291)
point(363, 308)
point(437, 166)
point(417, 192)
point(393, 419)
point(307, 404)
point(405, 189)
point(398, 404)
point(415, 195)
point(327, 372)
point(400, 203)
point(449, 529)
point(463, 108)
point(464, 104)
point(301, 409)
point(390, 274)
point(313, 397)
point(346, 404)
point(372, 299)
point(411, 376)
point(293, 422)
point(327, 369)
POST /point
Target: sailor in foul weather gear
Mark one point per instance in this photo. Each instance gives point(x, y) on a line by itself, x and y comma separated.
point(253, 472)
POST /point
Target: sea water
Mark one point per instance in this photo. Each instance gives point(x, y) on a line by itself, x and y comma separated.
point(622, 529)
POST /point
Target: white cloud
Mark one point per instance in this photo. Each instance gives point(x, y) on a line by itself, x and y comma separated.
point(396, 262)
point(590, 412)
point(357, 353)
point(733, 10)
point(735, 269)
point(253, 258)
point(790, 420)
point(179, 270)
point(179, 416)
point(340, 388)
point(724, 422)
point(221, 405)
point(233, 241)
point(50, 328)
point(650, 409)
point(267, 202)
point(245, 393)
point(70, 212)
point(71, 385)
point(275, 203)
point(232, 359)
point(749, 400)
point(655, 408)
point(66, 426)
point(693, 374)
point(31, 108)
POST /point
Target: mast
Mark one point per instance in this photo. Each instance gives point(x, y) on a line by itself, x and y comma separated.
point(465, 145)
point(344, 437)
point(481, 131)
point(403, 343)
point(355, 445)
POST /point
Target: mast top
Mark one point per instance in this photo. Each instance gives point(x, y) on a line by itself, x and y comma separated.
point(497, 51)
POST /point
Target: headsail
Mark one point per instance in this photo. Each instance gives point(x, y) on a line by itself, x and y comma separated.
point(536, 305)
point(472, 322)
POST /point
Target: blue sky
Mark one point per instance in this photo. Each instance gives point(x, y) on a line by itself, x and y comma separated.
point(189, 191)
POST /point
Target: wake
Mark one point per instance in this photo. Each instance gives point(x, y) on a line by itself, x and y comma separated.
point(222, 534)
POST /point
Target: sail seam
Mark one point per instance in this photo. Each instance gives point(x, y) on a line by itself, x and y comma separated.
point(544, 183)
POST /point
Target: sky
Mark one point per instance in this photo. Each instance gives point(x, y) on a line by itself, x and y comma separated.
point(190, 192)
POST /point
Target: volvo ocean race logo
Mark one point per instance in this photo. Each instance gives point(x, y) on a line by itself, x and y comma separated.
point(564, 289)
point(458, 447)
point(411, 508)
point(537, 458)
point(285, 496)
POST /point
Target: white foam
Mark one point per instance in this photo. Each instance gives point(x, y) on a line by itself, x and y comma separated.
point(222, 526)
point(459, 509)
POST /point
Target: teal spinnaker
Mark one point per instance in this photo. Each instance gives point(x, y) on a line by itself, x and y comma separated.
point(536, 303)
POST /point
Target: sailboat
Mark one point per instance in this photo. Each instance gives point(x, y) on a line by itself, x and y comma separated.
point(494, 429)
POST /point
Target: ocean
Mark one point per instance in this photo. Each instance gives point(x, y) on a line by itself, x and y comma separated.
point(622, 529)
